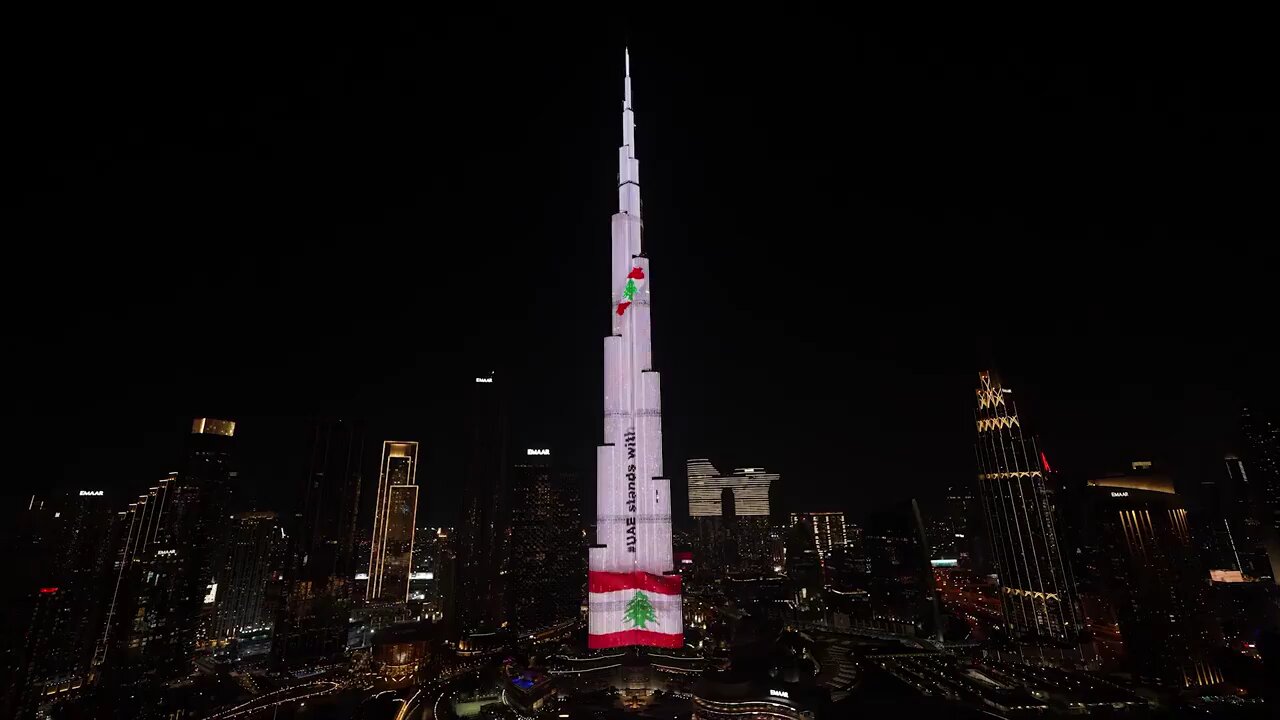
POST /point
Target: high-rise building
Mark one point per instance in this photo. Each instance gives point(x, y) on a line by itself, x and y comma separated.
point(1153, 579)
point(1035, 589)
point(829, 530)
point(1230, 533)
point(750, 488)
point(804, 564)
point(254, 560)
point(173, 540)
point(478, 545)
point(321, 568)
point(950, 536)
point(634, 591)
point(394, 513)
point(546, 525)
point(1262, 461)
point(741, 544)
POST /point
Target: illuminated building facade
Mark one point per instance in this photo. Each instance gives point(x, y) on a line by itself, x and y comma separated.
point(548, 551)
point(1035, 589)
point(1153, 579)
point(731, 515)
point(394, 513)
point(634, 593)
point(829, 530)
point(321, 566)
point(750, 488)
point(476, 601)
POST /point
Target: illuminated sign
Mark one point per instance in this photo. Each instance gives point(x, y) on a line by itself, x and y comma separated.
point(779, 693)
point(484, 380)
point(538, 451)
point(162, 553)
point(48, 590)
point(1122, 493)
point(945, 563)
point(362, 576)
point(417, 576)
point(1227, 576)
point(90, 493)
point(212, 595)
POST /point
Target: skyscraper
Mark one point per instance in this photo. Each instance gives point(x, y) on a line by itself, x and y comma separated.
point(546, 526)
point(1153, 580)
point(394, 513)
point(164, 595)
point(1262, 462)
point(633, 599)
point(255, 553)
point(1035, 590)
point(321, 568)
point(744, 545)
point(750, 487)
point(477, 597)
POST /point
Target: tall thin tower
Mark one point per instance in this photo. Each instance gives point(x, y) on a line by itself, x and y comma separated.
point(633, 599)
point(394, 515)
point(1035, 588)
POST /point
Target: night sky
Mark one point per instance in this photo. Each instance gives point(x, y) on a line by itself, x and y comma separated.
point(266, 218)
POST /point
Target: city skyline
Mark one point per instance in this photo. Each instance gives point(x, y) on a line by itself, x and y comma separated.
point(484, 521)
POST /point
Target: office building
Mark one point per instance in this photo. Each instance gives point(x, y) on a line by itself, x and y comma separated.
point(321, 567)
point(634, 592)
point(1261, 457)
point(250, 575)
point(478, 545)
point(804, 564)
point(829, 531)
point(54, 603)
point(173, 539)
point(950, 536)
point(731, 517)
point(1153, 580)
point(1228, 528)
point(1035, 590)
point(395, 513)
point(548, 562)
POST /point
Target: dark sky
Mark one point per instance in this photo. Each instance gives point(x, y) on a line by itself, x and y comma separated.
point(268, 217)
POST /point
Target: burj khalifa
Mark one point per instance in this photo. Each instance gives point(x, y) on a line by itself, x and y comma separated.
point(634, 594)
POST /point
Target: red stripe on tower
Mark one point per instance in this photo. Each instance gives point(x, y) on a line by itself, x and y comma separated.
point(601, 582)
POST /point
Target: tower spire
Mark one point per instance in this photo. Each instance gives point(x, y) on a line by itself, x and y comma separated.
point(628, 166)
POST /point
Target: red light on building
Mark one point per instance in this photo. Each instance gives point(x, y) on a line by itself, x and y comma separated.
point(48, 590)
point(1044, 462)
point(684, 558)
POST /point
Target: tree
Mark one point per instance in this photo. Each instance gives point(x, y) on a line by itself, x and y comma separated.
point(640, 611)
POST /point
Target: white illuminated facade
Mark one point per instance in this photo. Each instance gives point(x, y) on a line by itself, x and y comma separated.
point(633, 599)
point(706, 488)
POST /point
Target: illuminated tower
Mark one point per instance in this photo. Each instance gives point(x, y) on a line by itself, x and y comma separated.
point(1035, 590)
point(633, 601)
point(394, 514)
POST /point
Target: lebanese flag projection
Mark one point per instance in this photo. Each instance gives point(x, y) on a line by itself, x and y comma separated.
point(635, 608)
point(635, 281)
